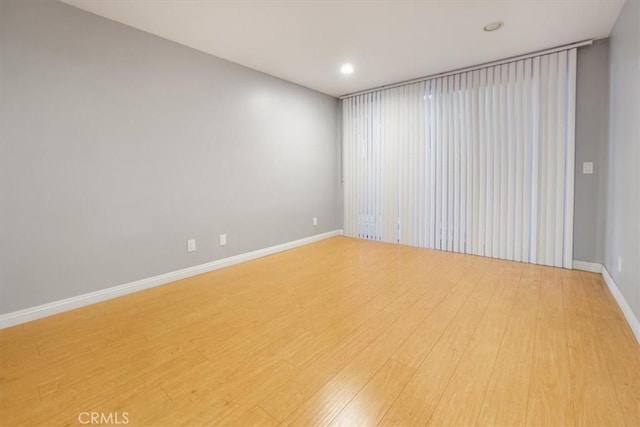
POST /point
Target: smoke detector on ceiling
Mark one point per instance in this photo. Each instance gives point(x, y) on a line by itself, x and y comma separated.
point(493, 26)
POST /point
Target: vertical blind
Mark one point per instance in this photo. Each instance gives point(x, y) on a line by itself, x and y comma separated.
point(479, 162)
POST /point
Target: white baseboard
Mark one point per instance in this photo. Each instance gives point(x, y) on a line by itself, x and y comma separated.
point(622, 302)
point(593, 267)
point(44, 310)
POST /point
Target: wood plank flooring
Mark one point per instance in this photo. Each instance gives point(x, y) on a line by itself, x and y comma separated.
point(340, 332)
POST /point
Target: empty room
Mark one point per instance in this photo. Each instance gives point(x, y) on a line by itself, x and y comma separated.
point(312, 213)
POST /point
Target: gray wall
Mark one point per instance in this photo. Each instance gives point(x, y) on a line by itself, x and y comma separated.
point(117, 146)
point(623, 195)
point(592, 134)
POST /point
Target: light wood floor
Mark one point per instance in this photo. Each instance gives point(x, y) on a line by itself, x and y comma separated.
point(340, 332)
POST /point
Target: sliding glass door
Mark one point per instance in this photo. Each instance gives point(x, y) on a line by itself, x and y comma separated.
point(479, 162)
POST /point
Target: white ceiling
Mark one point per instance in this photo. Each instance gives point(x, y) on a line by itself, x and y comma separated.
point(387, 41)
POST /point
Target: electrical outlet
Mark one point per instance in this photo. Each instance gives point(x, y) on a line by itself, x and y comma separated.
point(587, 168)
point(223, 240)
point(619, 264)
point(315, 221)
point(191, 245)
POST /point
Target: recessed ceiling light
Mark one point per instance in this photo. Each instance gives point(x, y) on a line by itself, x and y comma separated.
point(346, 69)
point(493, 26)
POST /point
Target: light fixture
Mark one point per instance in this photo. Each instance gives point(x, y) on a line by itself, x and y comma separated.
point(493, 26)
point(346, 68)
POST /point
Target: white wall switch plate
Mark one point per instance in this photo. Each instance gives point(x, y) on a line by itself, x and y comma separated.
point(191, 245)
point(587, 168)
point(315, 221)
point(223, 240)
point(620, 264)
